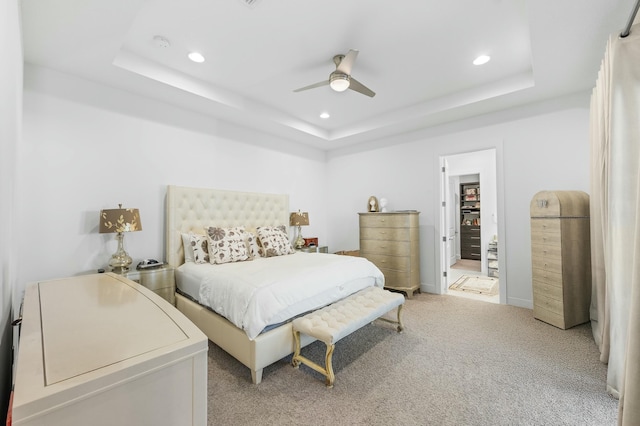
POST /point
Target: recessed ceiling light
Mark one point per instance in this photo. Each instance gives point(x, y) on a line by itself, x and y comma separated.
point(196, 57)
point(324, 115)
point(481, 60)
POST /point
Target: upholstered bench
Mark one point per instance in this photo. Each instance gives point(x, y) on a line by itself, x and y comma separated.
point(342, 318)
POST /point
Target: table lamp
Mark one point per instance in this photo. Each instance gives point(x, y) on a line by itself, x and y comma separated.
point(120, 220)
point(299, 219)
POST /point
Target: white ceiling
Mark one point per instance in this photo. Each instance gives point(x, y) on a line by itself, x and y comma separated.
point(415, 54)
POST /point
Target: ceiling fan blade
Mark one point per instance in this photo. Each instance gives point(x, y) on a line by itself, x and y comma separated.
point(361, 88)
point(347, 62)
point(313, 86)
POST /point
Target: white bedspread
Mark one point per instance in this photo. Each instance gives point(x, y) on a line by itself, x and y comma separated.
point(266, 291)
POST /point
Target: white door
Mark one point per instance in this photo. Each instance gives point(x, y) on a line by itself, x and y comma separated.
point(444, 226)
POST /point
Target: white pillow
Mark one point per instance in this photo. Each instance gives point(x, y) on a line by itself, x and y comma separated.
point(186, 246)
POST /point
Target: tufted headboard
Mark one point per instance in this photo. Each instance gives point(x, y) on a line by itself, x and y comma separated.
point(191, 209)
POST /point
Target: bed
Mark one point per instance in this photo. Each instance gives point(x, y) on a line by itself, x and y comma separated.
point(190, 210)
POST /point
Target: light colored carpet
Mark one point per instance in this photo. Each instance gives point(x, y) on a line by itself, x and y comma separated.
point(458, 362)
point(475, 284)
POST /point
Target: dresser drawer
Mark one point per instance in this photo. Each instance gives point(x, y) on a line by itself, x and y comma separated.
point(547, 289)
point(548, 303)
point(546, 231)
point(400, 263)
point(396, 279)
point(544, 275)
point(546, 257)
point(470, 239)
point(382, 220)
point(393, 234)
point(470, 254)
point(469, 231)
point(550, 317)
point(390, 247)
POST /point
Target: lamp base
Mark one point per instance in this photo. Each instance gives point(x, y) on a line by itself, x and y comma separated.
point(299, 242)
point(120, 260)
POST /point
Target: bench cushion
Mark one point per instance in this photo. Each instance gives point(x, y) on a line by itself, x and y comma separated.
point(342, 318)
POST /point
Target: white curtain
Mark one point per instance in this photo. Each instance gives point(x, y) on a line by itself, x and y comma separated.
point(615, 219)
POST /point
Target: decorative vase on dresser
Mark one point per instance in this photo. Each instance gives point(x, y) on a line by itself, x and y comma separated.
point(561, 257)
point(392, 242)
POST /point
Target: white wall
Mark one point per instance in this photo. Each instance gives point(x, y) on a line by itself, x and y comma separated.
point(548, 150)
point(87, 147)
point(10, 117)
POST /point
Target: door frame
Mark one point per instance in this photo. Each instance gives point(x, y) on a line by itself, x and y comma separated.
point(443, 273)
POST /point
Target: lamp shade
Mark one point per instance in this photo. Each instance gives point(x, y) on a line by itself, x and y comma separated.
point(120, 220)
point(299, 219)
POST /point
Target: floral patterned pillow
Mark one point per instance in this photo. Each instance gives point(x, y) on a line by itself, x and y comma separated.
point(227, 244)
point(253, 246)
point(199, 247)
point(274, 241)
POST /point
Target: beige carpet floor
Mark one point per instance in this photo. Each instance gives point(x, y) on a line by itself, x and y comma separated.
point(459, 362)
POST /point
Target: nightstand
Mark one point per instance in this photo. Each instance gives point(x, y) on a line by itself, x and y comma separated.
point(160, 280)
point(314, 249)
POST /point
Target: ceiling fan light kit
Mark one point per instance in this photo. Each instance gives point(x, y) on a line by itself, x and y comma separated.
point(340, 79)
point(339, 82)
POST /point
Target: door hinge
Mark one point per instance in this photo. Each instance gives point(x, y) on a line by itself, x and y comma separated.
point(443, 169)
point(444, 204)
point(444, 239)
point(444, 274)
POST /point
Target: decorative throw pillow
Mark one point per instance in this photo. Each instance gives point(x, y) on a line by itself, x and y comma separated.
point(199, 248)
point(186, 246)
point(252, 244)
point(274, 241)
point(227, 244)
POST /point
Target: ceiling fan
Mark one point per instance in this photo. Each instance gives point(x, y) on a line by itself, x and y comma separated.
point(341, 80)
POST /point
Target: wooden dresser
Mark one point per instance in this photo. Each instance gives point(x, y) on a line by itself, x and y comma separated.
point(561, 257)
point(392, 242)
point(470, 247)
point(103, 350)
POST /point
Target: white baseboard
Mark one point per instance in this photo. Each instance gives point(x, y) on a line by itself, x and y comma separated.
point(522, 303)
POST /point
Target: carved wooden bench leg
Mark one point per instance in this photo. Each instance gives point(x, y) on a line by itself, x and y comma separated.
point(398, 322)
point(326, 371)
point(329, 366)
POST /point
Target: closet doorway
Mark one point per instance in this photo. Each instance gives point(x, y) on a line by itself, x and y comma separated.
point(469, 226)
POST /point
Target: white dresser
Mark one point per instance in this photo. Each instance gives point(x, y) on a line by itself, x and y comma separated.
point(103, 350)
point(392, 242)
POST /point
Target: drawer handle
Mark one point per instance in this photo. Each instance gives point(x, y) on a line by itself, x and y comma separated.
point(475, 238)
